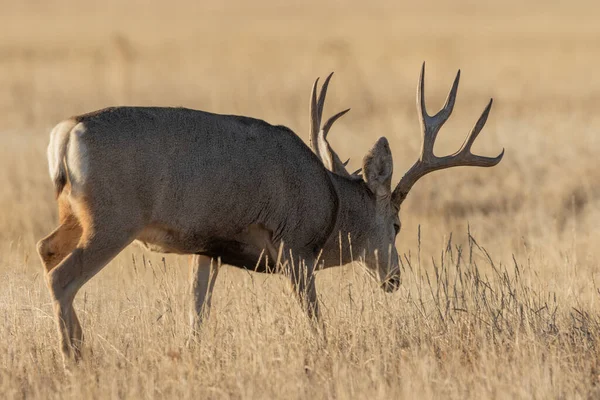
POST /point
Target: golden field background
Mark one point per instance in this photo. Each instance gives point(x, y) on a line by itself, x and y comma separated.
point(510, 312)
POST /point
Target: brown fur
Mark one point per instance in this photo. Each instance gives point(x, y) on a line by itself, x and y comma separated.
point(56, 246)
point(216, 186)
point(190, 182)
point(71, 255)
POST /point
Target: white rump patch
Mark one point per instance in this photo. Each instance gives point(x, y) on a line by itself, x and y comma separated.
point(56, 149)
point(77, 157)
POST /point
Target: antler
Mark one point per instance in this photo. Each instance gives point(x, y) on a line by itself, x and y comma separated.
point(318, 135)
point(430, 126)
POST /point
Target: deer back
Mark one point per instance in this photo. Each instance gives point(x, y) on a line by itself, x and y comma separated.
point(202, 178)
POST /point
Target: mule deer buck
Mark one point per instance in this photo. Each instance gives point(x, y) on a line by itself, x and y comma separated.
point(229, 187)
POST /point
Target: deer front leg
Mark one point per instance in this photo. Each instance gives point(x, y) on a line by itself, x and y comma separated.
point(303, 282)
point(203, 275)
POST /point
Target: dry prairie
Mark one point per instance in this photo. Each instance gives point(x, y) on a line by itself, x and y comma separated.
point(499, 295)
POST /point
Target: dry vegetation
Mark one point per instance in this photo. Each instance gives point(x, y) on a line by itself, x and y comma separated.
point(509, 312)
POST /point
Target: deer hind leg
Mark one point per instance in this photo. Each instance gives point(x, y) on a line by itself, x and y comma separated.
point(94, 250)
point(62, 241)
point(203, 275)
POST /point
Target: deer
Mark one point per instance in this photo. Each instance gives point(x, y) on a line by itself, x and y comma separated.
point(226, 189)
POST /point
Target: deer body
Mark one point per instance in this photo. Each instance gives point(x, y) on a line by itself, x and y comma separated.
point(224, 187)
point(190, 182)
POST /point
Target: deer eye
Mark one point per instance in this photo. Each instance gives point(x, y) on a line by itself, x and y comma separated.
point(397, 228)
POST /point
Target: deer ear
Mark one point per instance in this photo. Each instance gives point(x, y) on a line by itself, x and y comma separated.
point(378, 167)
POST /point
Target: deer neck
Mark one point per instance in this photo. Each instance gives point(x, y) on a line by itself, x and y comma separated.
point(355, 215)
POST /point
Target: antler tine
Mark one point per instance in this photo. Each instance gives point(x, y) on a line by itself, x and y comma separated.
point(322, 95)
point(450, 99)
point(329, 157)
point(464, 156)
point(431, 125)
point(315, 121)
point(318, 136)
point(355, 173)
point(331, 121)
point(316, 111)
point(423, 116)
point(477, 128)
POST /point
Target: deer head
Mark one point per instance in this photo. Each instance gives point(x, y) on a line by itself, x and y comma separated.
point(382, 224)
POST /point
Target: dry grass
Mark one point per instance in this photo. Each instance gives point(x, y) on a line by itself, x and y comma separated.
point(518, 319)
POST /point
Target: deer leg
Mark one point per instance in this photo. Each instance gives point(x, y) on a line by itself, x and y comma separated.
point(92, 253)
point(61, 242)
point(203, 275)
point(303, 281)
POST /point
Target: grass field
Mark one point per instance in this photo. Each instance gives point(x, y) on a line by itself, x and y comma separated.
point(499, 296)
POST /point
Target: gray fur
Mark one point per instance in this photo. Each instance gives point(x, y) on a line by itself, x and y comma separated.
point(217, 187)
